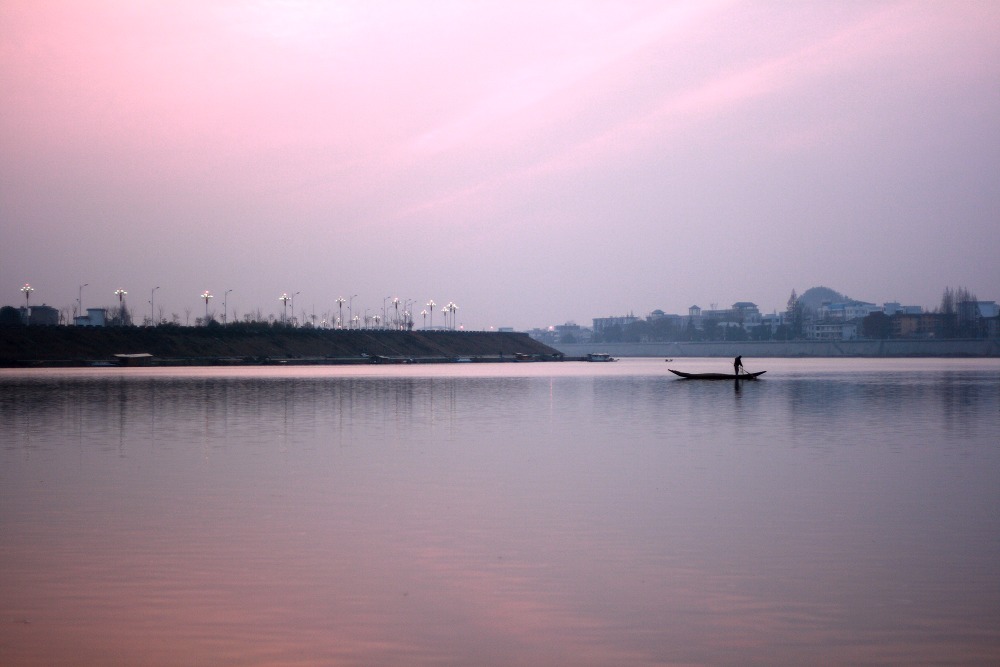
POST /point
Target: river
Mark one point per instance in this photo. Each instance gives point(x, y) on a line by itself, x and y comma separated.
point(837, 511)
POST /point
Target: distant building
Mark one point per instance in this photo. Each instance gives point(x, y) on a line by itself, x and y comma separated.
point(602, 324)
point(890, 308)
point(38, 315)
point(742, 314)
point(658, 316)
point(972, 310)
point(571, 332)
point(832, 330)
point(918, 325)
point(845, 311)
point(95, 317)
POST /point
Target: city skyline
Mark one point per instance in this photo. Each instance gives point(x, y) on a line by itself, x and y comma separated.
point(393, 312)
point(531, 163)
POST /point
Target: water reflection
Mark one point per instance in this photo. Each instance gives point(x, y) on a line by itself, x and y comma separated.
point(612, 516)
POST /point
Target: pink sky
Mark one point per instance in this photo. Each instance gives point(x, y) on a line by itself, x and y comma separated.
point(533, 162)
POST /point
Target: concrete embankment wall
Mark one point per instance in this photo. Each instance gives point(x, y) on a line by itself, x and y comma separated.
point(26, 344)
point(842, 348)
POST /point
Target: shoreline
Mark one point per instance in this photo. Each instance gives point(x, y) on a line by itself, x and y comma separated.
point(951, 348)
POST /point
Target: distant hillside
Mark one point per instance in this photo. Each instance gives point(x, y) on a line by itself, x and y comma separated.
point(814, 297)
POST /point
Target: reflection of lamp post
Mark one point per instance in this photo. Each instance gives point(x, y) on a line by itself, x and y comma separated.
point(152, 308)
point(206, 295)
point(431, 304)
point(284, 299)
point(79, 299)
point(27, 289)
point(225, 306)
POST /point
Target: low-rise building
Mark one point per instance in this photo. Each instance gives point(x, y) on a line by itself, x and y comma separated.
point(918, 325)
point(95, 317)
point(42, 315)
point(831, 330)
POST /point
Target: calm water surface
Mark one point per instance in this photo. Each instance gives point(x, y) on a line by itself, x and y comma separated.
point(836, 512)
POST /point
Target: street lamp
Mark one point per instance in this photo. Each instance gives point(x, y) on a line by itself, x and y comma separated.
point(431, 304)
point(340, 318)
point(152, 308)
point(225, 306)
point(293, 305)
point(27, 289)
point(120, 293)
point(79, 299)
point(424, 313)
point(284, 299)
point(206, 295)
point(350, 311)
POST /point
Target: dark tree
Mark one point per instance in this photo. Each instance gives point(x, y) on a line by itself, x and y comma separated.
point(795, 316)
point(10, 317)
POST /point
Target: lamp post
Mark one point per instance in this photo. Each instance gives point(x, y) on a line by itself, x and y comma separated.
point(424, 313)
point(152, 306)
point(431, 304)
point(293, 305)
point(79, 299)
point(27, 289)
point(350, 311)
point(284, 299)
point(206, 295)
point(225, 307)
point(340, 318)
point(120, 293)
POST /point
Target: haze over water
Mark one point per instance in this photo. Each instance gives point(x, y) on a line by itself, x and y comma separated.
point(835, 512)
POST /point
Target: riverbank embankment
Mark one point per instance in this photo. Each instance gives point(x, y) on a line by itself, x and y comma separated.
point(796, 348)
point(76, 346)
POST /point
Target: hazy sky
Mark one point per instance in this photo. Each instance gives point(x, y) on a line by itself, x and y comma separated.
point(534, 162)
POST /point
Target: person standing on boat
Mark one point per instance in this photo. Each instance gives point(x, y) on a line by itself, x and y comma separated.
point(738, 365)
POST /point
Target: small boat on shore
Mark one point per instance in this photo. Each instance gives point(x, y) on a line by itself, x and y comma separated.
point(716, 376)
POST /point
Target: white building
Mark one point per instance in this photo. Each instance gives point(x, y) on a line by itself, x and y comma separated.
point(95, 317)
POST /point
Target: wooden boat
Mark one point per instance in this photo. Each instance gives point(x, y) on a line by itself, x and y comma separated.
point(717, 376)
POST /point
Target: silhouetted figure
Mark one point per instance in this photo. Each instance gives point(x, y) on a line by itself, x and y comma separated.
point(738, 365)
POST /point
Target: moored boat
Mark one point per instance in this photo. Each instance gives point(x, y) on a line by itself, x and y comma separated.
point(600, 356)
